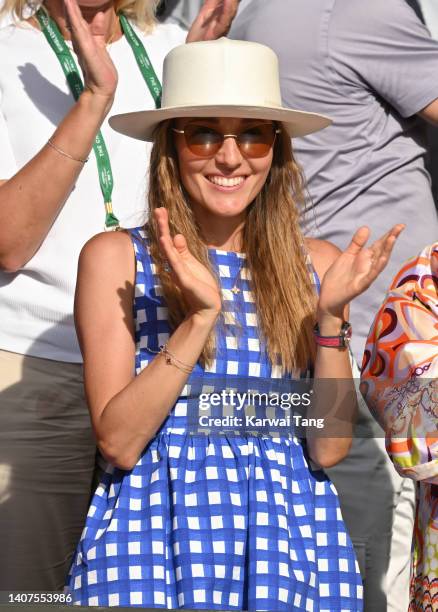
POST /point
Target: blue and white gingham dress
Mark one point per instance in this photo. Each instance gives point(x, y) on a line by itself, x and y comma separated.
point(208, 521)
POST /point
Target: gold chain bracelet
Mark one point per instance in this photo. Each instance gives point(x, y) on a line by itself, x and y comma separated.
point(61, 152)
point(172, 360)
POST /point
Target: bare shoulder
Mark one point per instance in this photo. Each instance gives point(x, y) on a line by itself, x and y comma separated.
point(108, 250)
point(106, 264)
point(108, 244)
point(106, 279)
point(322, 253)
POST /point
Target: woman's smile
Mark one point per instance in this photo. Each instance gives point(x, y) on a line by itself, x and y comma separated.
point(226, 183)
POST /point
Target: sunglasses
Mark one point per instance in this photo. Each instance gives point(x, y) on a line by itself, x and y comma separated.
point(253, 141)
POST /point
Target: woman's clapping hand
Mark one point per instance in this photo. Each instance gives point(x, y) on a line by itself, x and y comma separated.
point(198, 286)
point(89, 43)
point(355, 270)
point(213, 20)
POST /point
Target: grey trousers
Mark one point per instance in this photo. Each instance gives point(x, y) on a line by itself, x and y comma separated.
point(47, 456)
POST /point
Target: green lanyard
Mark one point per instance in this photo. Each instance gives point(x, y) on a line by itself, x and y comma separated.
point(142, 59)
point(74, 80)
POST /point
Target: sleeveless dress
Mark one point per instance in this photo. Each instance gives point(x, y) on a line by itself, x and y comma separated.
point(216, 522)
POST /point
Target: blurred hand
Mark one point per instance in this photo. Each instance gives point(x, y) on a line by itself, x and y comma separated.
point(354, 270)
point(198, 286)
point(100, 74)
point(213, 21)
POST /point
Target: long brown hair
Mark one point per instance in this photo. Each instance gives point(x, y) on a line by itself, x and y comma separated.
point(273, 243)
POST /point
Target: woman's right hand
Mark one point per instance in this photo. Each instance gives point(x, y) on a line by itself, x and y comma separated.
point(197, 284)
point(100, 74)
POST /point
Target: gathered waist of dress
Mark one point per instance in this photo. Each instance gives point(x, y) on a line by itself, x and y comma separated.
point(175, 446)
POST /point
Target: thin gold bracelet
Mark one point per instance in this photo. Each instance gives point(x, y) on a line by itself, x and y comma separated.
point(172, 360)
point(76, 159)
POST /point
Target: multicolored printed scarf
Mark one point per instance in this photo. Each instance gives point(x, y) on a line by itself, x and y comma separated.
point(399, 383)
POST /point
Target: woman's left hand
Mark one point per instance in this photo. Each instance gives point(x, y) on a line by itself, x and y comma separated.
point(355, 270)
point(213, 20)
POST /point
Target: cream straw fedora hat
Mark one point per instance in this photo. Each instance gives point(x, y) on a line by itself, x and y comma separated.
point(220, 78)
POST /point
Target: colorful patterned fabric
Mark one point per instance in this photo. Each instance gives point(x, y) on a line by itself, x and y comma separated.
point(209, 521)
point(399, 382)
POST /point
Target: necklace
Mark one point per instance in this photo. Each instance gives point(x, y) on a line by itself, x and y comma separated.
point(235, 289)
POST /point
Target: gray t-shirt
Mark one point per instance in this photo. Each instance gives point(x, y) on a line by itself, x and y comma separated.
point(371, 66)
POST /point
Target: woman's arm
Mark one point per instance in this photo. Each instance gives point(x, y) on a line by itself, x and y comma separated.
point(343, 276)
point(31, 200)
point(330, 363)
point(127, 410)
point(400, 368)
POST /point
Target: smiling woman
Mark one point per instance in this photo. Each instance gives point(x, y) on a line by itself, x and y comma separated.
point(229, 195)
point(217, 286)
point(224, 162)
